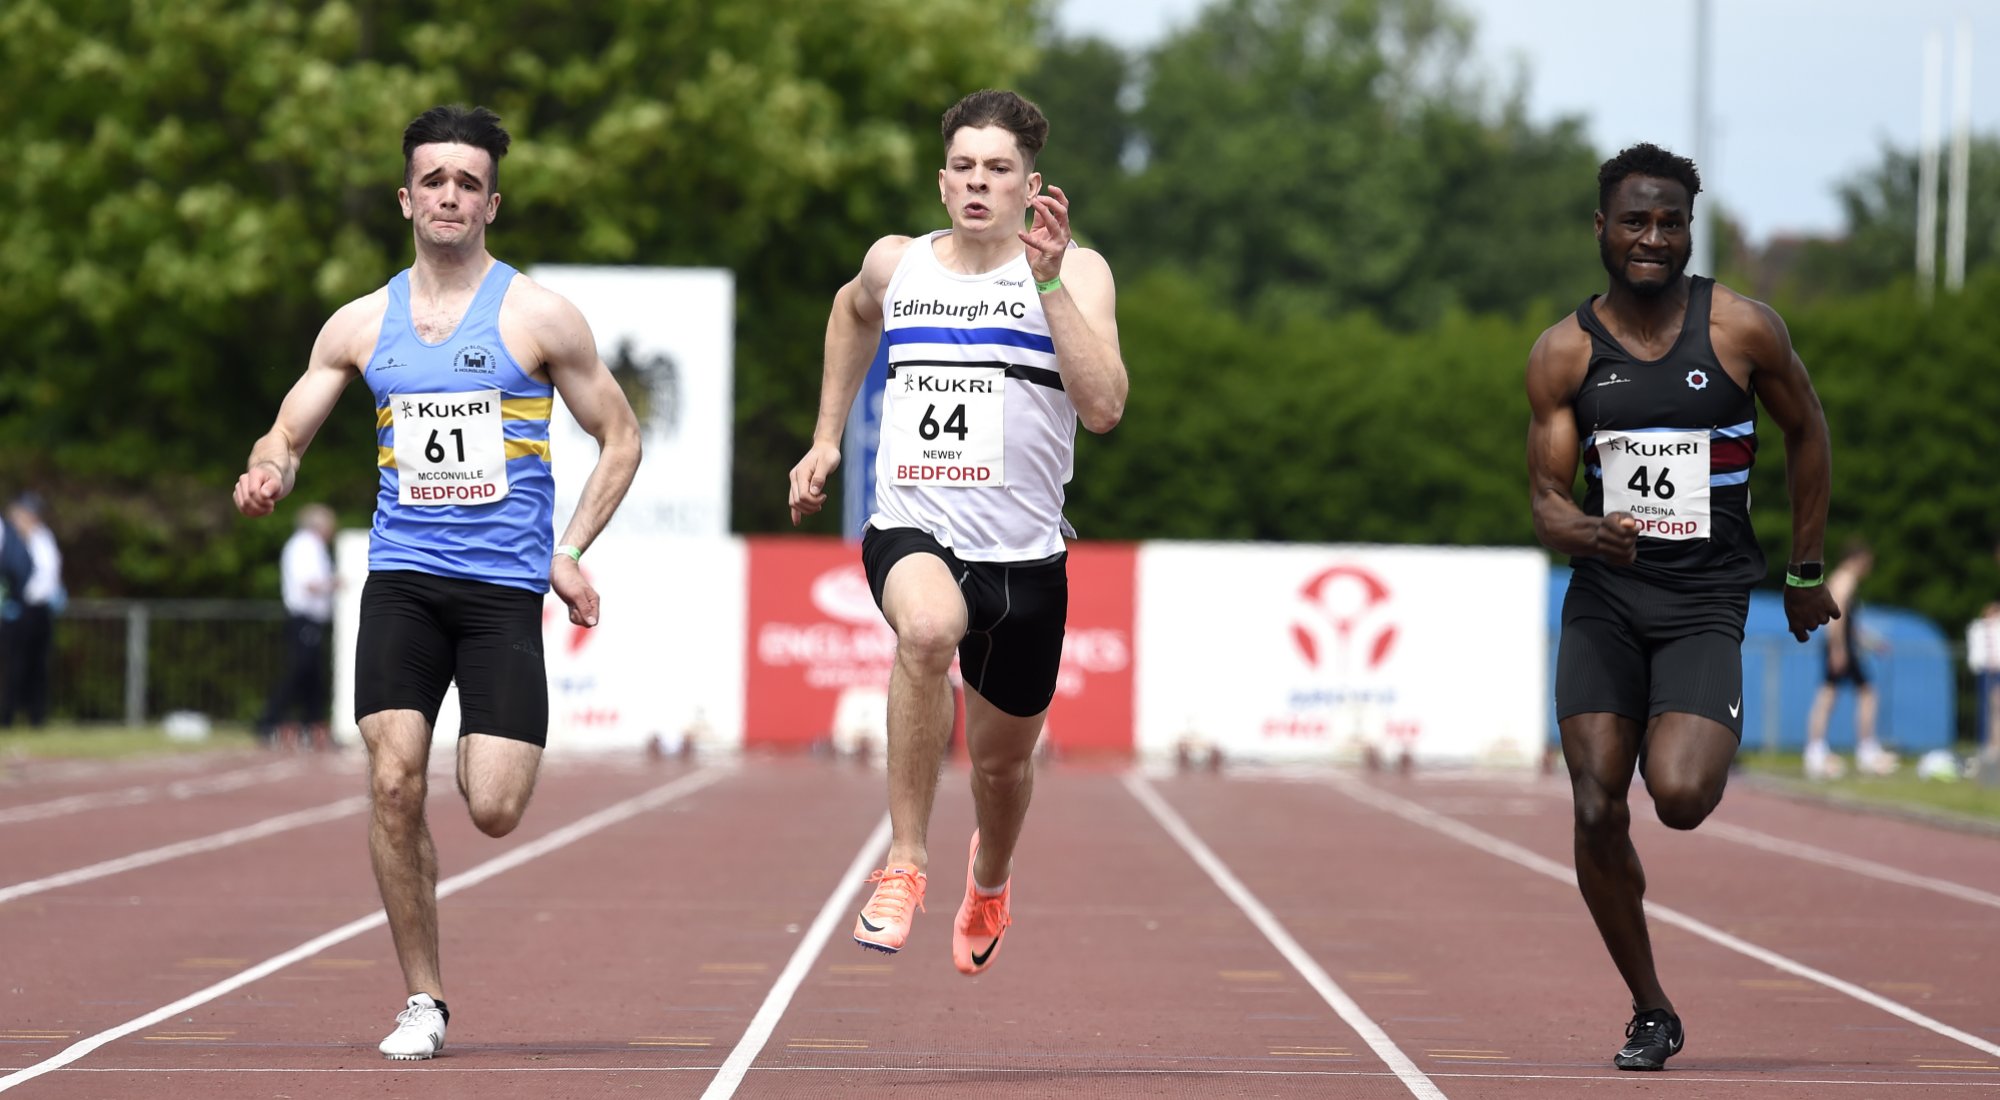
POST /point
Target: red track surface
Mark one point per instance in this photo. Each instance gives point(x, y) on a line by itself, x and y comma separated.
point(633, 959)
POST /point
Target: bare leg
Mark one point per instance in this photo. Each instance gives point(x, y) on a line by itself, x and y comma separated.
point(399, 842)
point(925, 609)
point(1602, 750)
point(1002, 747)
point(1866, 704)
point(1819, 715)
point(496, 775)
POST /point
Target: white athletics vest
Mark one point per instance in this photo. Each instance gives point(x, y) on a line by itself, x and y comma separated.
point(978, 437)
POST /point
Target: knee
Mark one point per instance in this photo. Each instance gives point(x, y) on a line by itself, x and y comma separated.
point(926, 641)
point(1683, 806)
point(1601, 817)
point(398, 790)
point(496, 817)
point(1004, 775)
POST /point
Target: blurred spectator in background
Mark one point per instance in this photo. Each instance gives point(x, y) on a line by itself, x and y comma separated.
point(296, 713)
point(1982, 656)
point(1843, 666)
point(28, 619)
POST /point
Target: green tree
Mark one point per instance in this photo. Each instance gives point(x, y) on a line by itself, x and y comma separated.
point(1335, 152)
point(193, 187)
point(1879, 246)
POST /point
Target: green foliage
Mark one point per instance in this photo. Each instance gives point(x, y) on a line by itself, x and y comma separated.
point(1879, 247)
point(196, 184)
point(1329, 153)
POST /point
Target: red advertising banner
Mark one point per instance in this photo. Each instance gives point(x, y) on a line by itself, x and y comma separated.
point(819, 653)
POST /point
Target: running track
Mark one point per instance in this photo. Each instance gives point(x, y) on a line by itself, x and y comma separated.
point(672, 929)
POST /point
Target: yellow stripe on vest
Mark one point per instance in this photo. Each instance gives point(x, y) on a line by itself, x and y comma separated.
point(526, 408)
point(516, 448)
point(511, 408)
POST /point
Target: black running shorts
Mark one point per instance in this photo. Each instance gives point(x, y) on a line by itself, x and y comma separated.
point(1015, 613)
point(420, 632)
point(1632, 648)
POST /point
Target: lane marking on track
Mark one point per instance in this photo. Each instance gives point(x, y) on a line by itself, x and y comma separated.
point(1679, 1079)
point(1514, 853)
point(730, 1075)
point(1344, 1006)
point(1827, 858)
point(131, 796)
point(270, 826)
point(534, 849)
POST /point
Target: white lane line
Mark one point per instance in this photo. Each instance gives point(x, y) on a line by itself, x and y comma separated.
point(1828, 858)
point(1514, 853)
point(132, 796)
point(534, 849)
point(1680, 1080)
point(759, 1032)
point(1378, 1040)
point(255, 831)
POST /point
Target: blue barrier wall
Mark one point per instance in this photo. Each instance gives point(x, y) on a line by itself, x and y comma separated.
point(1905, 655)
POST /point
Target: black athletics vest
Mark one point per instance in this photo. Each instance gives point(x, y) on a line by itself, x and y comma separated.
point(1645, 427)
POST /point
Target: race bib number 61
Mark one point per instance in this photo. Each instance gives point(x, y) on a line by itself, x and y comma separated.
point(1660, 478)
point(449, 448)
point(945, 427)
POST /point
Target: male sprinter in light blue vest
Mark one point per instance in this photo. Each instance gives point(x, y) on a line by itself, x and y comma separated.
point(462, 354)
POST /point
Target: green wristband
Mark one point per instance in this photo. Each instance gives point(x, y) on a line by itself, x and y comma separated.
point(1795, 581)
point(1043, 288)
point(573, 553)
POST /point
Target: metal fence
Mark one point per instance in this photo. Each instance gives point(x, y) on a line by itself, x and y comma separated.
point(135, 661)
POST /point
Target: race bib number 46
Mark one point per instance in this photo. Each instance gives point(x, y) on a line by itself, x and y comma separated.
point(945, 427)
point(1660, 478)
point(449, 448)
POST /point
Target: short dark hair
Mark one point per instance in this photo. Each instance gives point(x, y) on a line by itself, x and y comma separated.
point(1646, 159)
point(1006, 110)
point(456, 125)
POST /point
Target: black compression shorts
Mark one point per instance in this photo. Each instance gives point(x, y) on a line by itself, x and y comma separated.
point(420, 632)
point(1015, 616)
point(1635, 649)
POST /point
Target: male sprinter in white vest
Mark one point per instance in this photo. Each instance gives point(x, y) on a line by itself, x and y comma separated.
point(999, 342)
point(462, 354)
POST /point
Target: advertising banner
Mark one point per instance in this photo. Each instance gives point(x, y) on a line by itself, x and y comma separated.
point(663, 665)
point(819, 654)
point(1309, 653)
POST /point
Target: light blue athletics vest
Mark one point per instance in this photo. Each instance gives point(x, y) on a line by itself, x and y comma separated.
point(462, 437)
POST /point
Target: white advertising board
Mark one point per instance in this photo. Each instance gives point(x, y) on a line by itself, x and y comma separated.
point(668, 335)
point(664, 662)
point(1291, 653)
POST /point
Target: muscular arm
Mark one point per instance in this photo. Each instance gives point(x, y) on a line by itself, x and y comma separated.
point(1082, 314)
point(1781, 383)
point(1083, 322)
point(853, 329)
point(274, 458)
point(1555, 369)
point(1779, 380)
point(569, 351)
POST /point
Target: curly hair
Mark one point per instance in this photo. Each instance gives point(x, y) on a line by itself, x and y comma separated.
point(457, 125)
point(1646, 159)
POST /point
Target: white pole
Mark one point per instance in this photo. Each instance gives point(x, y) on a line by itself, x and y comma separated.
point(1927, 165)
point(1961, 157)
point(1702, 261)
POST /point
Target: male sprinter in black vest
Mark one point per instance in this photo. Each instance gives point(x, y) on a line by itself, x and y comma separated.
point(1652, 385)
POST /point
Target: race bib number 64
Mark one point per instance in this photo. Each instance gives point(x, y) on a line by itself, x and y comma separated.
point(449, 448)
point(1660, 478)
point(945, 427)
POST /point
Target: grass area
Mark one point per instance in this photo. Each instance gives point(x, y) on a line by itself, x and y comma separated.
point(1964, 797)
point(103, 742)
